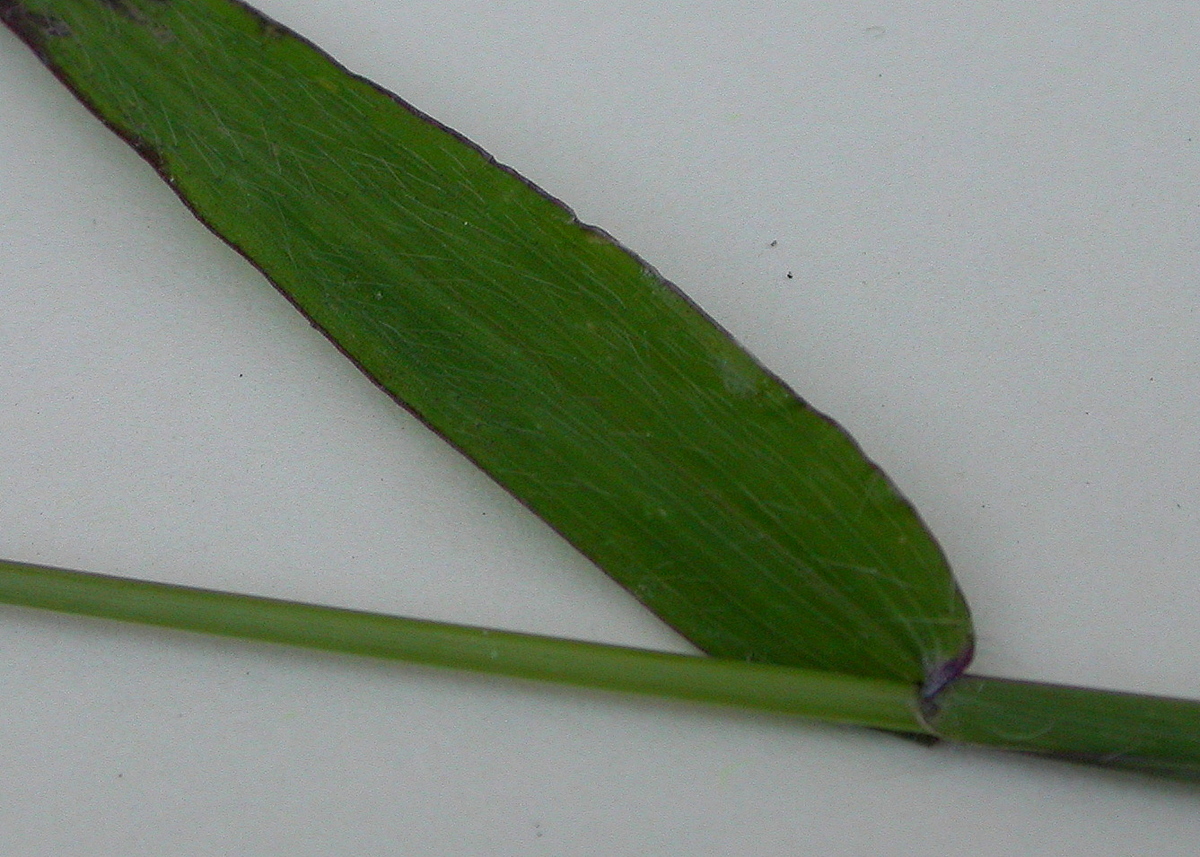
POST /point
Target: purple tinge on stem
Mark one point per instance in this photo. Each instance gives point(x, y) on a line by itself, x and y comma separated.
point(944, 673)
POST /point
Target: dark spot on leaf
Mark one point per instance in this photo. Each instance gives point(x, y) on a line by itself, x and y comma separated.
point(118, 6)
point(128, 10)
point(147, 151)
point(270, 30)
point(32, 27)
point(55, 27)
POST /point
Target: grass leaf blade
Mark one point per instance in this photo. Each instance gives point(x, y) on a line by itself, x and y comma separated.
point(564, 366)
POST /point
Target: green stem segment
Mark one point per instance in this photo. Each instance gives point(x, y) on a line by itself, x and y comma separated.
point(807, 693)
point(1152, 734)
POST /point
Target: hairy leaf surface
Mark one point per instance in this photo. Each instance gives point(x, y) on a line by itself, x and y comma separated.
point(563, 365)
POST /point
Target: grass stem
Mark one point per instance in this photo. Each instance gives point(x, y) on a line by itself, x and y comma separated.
point(807, 693)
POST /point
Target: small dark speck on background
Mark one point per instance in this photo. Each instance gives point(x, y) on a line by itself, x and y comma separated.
point(789, 275)
point(773, 244)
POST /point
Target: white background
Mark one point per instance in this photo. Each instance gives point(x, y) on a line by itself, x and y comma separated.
point(990, 216)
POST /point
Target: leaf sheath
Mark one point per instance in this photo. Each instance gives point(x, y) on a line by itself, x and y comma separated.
point(1150, 734)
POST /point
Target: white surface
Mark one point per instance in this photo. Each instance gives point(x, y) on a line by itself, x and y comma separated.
point(990, 214)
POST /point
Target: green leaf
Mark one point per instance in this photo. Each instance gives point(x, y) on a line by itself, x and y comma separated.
point(563, 365)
